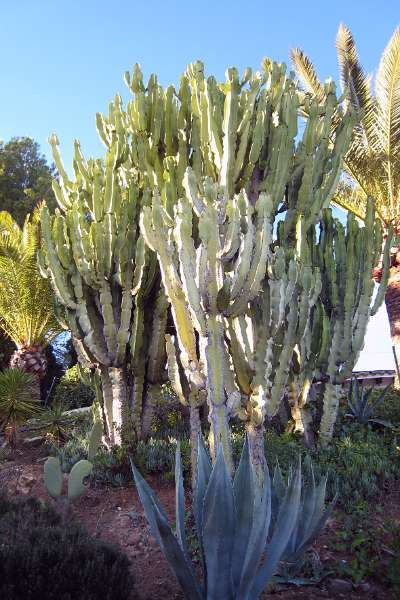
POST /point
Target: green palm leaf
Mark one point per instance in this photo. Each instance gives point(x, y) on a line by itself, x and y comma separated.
point(27, 312)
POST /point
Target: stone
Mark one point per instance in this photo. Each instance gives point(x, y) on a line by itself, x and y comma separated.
point(340, 586)
point(25, 484)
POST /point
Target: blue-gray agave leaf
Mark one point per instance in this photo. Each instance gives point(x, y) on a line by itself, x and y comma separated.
point(204, 469)
point(244, 491)
point(285, 522)
point(168, 543)
point(218, 532)
point(180, 501)
point(258, 536)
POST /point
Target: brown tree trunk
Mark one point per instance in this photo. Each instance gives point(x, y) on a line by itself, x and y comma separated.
point(392, 300)
point(32, 360)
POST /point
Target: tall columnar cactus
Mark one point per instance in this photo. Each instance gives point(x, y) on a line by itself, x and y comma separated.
point(201, 292)
point(262, 342)
point(346, 257)
point(214, 249)
point(108, 282)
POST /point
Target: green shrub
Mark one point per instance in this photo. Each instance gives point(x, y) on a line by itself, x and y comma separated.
point(72, 392)
point(41, 557)
point(393, 569)
point(170, 418)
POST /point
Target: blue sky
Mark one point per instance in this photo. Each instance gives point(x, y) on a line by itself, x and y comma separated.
point(63, 60)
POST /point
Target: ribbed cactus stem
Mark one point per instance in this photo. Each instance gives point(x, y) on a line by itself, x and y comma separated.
point(120, 408)
point(331, 397)
point(107, 406)
point(195, 431)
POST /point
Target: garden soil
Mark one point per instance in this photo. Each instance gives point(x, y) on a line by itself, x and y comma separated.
point(115, 515)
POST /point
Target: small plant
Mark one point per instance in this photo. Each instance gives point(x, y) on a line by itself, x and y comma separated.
point(53, 476)
point(357, 539)
point(362, 407)
point(393, 570)
point(311, 519)
point(55, 423)
point(44, 557)
point(16, 404)
point(232, 523)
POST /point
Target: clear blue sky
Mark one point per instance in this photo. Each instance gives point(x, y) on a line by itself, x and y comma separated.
point(63, 60)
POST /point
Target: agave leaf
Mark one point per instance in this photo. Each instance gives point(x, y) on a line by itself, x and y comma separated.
point(180, 501)
point(382, 422)
point(79, 471)
point(285, 522)
point(380, 398)
point(244, 492)
point(305, 517)
point(364, 399)
point(53, 477)
point(278, 491)
point(168, 543)
point(219, 531)
point(204, 469)
point(258, 536)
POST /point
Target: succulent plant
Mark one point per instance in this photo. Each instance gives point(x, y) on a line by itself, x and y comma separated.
point(311, 517)
point(232, 523)
point(360, 403)
point(53, 476)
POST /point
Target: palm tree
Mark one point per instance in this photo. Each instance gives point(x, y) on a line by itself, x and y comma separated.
point(372, 164)
point(27, 309)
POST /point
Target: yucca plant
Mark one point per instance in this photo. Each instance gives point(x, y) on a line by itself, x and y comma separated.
point(16, 402)
point(232, 519)
point(361, 405)
point(372, 163)
point(311, 519)
point(27, 313)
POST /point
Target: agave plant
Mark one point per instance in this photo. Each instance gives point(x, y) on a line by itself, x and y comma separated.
point(311, 519)
point(232, 522)
point(16, 403)
point(361, 406)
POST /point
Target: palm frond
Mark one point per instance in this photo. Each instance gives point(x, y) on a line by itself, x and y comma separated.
point(351, 197)
point(387, 92)
point(353, 79)
point(27, 312)
point(307, 74)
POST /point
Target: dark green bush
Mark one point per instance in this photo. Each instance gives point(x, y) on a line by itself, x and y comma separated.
point(72, 392)
point(43, 558)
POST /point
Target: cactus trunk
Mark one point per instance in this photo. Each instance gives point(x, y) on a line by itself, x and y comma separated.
point(195, 431)
point(255, 436)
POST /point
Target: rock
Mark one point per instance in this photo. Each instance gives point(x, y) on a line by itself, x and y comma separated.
point(340, 586)
point(134, 538)
point(365, 587)
point(33, 441)
point(25, 484)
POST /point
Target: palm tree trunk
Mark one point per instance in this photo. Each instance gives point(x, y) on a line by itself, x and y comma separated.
point(392, 300)
point(32, 360)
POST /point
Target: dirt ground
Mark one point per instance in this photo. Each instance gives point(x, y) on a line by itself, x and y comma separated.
point(115, 515)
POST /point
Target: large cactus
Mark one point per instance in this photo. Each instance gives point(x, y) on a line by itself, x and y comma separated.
point(215, 248)
point(346, 257)
point(108, 282)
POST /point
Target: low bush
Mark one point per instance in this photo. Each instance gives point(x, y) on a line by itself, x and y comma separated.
point(72, 392)
point(41, 557)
